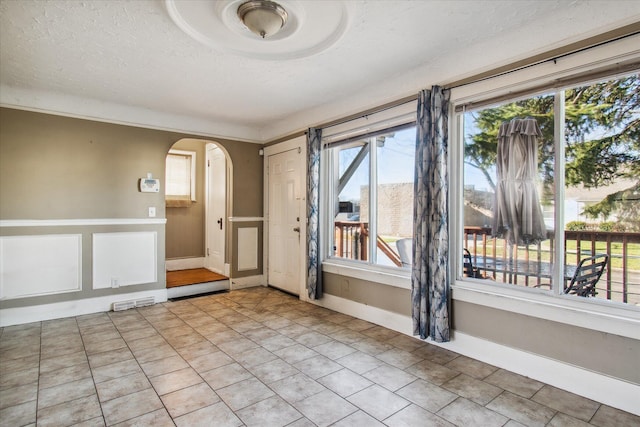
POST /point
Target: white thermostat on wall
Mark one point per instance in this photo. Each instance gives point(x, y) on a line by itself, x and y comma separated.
point(149, 184)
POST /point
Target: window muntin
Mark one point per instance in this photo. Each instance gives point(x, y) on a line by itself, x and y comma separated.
point(597, 177)
point(376, 170)
point(351, 186)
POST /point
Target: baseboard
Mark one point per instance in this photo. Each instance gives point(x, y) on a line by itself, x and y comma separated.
point(58, 310)
point(388, 319)
point(200, 288)
point(592, 385)
point(248, 282)
point(184, 263)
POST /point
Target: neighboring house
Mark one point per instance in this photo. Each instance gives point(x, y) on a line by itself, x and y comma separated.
point(392, 199)
point(582, 198)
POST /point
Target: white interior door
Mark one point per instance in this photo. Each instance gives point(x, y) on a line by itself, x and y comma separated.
point(284, 201)
point(216, 209)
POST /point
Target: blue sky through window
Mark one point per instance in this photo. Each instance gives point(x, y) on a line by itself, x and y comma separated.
point(395, 160)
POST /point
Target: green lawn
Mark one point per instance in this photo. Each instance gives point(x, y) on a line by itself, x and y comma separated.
point(633, 251)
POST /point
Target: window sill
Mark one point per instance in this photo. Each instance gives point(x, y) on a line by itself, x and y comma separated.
point(385, 276)
point(178, 203)
point(596, 315)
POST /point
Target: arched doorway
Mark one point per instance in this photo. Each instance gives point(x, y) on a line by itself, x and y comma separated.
point(196, 231)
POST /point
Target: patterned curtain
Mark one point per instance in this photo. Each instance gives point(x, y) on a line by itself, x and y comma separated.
point(429, 277)
point(314, 268)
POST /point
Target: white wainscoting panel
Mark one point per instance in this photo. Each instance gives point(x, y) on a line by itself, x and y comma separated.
point(124, 259)
point(247, 248)
point(248, 282)
point(40, 265)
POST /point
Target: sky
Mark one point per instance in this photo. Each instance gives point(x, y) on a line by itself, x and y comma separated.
point(395, 160)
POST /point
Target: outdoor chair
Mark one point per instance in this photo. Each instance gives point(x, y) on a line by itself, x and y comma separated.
point(469, 269)
point(588, 272)
point(405, 251)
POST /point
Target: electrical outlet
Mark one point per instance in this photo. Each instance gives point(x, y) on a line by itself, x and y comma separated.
point(344, 287)
point(152, 211)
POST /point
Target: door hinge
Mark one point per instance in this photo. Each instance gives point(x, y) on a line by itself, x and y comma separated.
point(207, 251)
point(208, 163)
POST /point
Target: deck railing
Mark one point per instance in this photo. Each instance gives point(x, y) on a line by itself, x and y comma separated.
point(352, 242)
point(351, 239)
point(621, 280)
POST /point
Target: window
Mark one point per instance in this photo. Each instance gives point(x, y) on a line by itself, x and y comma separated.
point(370, 197)
point(535, 202)
point(180, 188)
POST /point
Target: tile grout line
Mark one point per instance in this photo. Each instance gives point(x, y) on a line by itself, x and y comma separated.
point(145, 373)
point(139, 366)
point(514, 391)
point(39, 365)
point(275, 393)
point(95, 388)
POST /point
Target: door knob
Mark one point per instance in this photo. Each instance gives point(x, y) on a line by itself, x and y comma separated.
point(220, 223)
point(296, 229)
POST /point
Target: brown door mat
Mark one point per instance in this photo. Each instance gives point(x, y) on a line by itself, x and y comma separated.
point(192, 277)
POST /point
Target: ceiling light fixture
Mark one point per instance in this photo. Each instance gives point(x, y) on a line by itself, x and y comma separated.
point(264, 18)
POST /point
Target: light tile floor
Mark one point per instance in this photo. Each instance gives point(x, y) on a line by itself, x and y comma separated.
point(259, 357)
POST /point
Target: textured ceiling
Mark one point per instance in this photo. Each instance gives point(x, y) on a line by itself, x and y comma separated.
point(128, 61)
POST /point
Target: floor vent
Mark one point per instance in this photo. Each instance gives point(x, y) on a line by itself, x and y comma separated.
point(144, 302)
point(123, 305)
point(126, 305)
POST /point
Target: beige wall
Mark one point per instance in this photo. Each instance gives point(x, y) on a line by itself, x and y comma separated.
point(63, 168)
point(47, 161)
point(54, 167)
point(596, 351)
point(186, 225)
point(389, 298)
point(247, 177)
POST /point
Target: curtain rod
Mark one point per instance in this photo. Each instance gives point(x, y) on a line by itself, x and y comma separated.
point(369, 112)
point(576, 79)
point(366, 135)
point(348, 118)
point(552, 55)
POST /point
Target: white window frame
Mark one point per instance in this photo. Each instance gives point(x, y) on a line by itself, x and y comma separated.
point(604, 316)
point(192, 179)
point(392, 276)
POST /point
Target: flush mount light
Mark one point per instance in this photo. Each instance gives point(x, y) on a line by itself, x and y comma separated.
point(311, 27)
point(262, 17)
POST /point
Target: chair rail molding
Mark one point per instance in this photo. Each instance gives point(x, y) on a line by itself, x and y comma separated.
point(80, 222)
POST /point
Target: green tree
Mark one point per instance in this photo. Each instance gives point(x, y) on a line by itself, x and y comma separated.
point(602, 140)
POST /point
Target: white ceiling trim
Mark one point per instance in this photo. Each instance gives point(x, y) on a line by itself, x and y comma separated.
point(109, 112)
point(129, 63)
